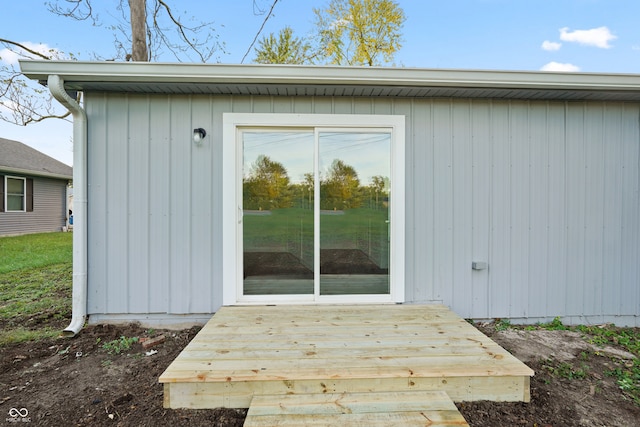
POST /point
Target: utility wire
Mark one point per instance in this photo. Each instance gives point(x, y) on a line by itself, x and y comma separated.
point(260, 30)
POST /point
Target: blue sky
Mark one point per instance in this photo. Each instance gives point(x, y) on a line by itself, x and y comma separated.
point(556, 35)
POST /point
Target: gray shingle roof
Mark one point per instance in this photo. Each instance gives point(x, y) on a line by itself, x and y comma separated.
point(18, 157)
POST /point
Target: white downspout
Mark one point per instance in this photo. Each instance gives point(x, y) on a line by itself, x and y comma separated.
point(79, 304)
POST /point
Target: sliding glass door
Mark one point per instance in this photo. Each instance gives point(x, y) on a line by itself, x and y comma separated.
point(316, 212)
point(278, 212)
point(353, 212)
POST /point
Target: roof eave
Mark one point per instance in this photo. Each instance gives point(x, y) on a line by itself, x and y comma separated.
point(20, 171)
point(257, 74)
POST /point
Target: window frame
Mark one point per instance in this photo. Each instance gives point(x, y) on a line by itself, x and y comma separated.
point(234, 123)
point(7, 194)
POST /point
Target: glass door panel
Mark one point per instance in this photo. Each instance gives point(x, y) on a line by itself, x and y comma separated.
point(354, 180)
point(278, 213)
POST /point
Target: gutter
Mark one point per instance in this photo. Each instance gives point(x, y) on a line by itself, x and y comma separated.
point(79, 304)
point(80, 74)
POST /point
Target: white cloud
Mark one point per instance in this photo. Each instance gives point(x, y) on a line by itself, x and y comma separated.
point(547, 45)
point(558, 66)
point(11, 56)
point(598, 37)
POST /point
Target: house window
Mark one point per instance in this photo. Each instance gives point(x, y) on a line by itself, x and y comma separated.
point(15, 194)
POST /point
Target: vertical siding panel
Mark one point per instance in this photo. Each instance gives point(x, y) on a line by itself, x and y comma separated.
point(575, 212)
point(242, 104)
point(420, 189)
point(98, 283)
point(221, 104)
point(557, 225)
point(630, 240)
point(201, 208)
point(362, 105)
point(282, 104)
point(481, 204)
point(500, 257)
point(346, 106)
point(322, 105)
point(443, 201)
point(520, 193)
point(180, 218)
point(382, 106)
point(610, 282)
point(159, 203)
point(117, 207)
point(138, 204)
point(303, 105)
point(262, 104)
point(538, 240)
point(462, 207)
point(594, 208)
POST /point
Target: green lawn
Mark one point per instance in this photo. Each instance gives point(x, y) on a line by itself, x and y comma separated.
point(35, 285)
point(287, 230)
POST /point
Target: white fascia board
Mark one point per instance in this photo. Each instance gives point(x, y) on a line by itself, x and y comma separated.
point(146, 72)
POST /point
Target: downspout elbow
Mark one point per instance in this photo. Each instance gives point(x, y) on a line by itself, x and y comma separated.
point(79, 292)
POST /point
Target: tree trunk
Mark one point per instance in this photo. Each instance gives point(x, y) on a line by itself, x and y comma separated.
point(138, 30)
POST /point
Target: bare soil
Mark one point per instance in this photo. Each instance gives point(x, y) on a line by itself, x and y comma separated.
point(75, 382)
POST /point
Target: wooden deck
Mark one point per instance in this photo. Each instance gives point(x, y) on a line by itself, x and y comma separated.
point(243, 352)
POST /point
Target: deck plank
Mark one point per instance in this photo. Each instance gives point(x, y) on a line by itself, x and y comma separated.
point(245, 351)
point(433, 408)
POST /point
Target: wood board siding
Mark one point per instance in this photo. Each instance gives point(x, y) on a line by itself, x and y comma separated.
point(48, 212)
point(547, 193)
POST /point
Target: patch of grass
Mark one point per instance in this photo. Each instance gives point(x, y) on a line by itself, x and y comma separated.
point(566, 370)
point(34, 250)
point(119, 345)
point(502, 324)
point(555, 325)
point(627, 373)
point(35, 286)
point(18, 335)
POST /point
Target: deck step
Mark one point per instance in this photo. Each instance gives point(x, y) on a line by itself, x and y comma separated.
point(410, 408)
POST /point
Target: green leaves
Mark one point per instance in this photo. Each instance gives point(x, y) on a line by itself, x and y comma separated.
point(348, 32)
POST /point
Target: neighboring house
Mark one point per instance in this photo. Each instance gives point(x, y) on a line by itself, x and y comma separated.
point(33, 190)
point(500, 194)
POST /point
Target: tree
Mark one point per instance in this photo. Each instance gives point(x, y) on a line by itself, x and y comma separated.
point(24, 101)
point(341, 189)
point(359, 32)
point(267, 185)
point(152, 23)
point(148, 30)
point(377, 186)
point(283, 49)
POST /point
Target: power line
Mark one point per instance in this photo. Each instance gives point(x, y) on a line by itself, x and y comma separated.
point(260, 30)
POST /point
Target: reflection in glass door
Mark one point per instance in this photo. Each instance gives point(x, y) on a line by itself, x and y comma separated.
point(354, 212)
point(278, 203)
point(316, 212)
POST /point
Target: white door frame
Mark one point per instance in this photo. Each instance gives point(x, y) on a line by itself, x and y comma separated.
point(232, 201)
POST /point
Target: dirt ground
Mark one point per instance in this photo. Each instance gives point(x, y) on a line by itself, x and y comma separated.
point(76, 382)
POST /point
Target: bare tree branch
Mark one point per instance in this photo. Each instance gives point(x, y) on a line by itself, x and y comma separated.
point(23, 47)
point(259, 31)
point(80, 10)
